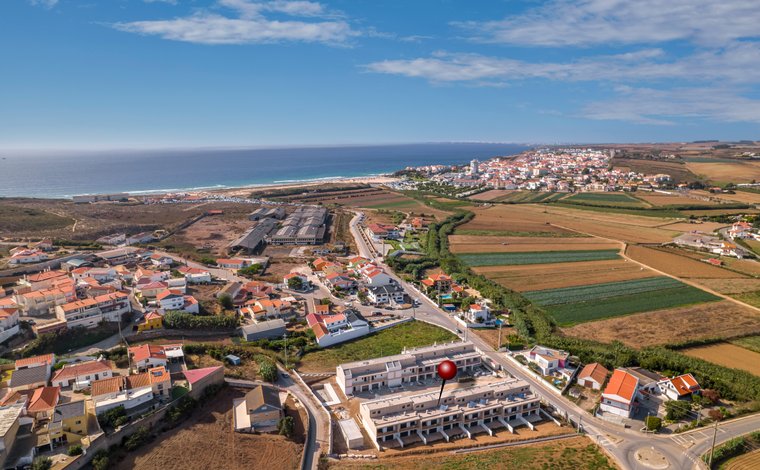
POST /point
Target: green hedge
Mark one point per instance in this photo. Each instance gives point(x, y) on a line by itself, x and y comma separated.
point(180, 320)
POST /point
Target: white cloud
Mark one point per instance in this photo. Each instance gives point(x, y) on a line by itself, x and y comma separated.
point(171, 2)
point(594, 22)
point(733, 63)
point(250, 25)
point(44, 3)
point(651, 106)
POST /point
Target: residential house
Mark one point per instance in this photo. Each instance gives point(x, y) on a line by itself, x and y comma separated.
point(479, 314)
point(548, 360)
point(270, 309)
point(304, 280)
point(680, 387)
point(620, 395)
point(132, 390)
point(147, 356)
point(195, 275)
point(161, 261)
point(90, 312)
point(339, 282)
point(43, 301)
point(199, 379)
point(437, 284)
point(170, 300)
point(151, 289)
point(648, 380)
point(152, 321)
point(142, 237)
point(593, 376)
point(374, 276)
point(259, 411)
point(410, 366)
point(380, 232)
point(101, 275)
point(80, 375)
point(8, 323)
point(334, 329)
point(29, 378)
point(28, 257)
point(400, 420)
point(69, 423)
point(42, 403)
point(233, 263)
point(388, 294)
point(9, 426)
point(741, 230)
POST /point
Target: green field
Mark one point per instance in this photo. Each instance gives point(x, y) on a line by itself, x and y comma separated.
point(384, 343)
point(752, 298)
point(573, 305)
point(537, 257)
point(606, 199)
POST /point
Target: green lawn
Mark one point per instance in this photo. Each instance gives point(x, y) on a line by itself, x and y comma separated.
point(179, 391)
point(606, 199)
point(749, 342)
point(573, 305)
point(384, 343)
point(537, 257)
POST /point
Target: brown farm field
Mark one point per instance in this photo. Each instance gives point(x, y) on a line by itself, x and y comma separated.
point(489, 244)
point(558, 275)
point(207, 440)
point(678, 265)
point(731, 286)
point(491, 195)
point(511, 218)
point(728, 355)
point(735, 172)
point(718, 211)
point(738, 196)
point(747, 461)
point(673, 325)
point(689, 227)
point(658, 199)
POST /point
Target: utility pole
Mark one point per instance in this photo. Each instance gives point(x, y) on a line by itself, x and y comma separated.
point(712, 448)
point(285, 337)
point(499, 348)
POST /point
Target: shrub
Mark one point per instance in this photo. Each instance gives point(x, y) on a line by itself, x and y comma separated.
point(42, 463)
point(101, 461)
point(180, 320)
point(114, 417)
point(226, 302)
point(676, 410)
point(653, 423)
point(75, 450)
point(138, 438)
point(286, 426)
point(267, 369)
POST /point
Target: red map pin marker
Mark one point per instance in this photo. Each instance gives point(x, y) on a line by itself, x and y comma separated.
point(447, 370)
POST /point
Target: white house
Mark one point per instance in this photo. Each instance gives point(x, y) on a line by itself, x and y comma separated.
point(131, 391)
point(548, 360)
point(374, 276)
point(334, 329)
point(680, 387)
point(619, 396)
point(81, 375)
point(390, 294)
point(147, 356)
point(161, 260)
point(479, 314)
point(593, 376)
point(8, 323)
point(170, 300)
point(195, 275)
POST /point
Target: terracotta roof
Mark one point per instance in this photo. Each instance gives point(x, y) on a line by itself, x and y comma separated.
point(76, 305)
point(334, 318)
point(111, 296)
point(319, 330)
point(685, 384)
point(44, 276)
point(153, 315)
point(622, 384)
point(105, 386)
point(36, 360)
point(595, 371)
point(158, 375)
point(165, 294)
point(147, 351)
point(43, 399)
point(72, 371)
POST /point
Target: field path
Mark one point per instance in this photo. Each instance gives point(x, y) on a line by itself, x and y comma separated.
point(624, 248)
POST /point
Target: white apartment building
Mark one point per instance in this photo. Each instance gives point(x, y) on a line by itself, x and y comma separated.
point(91, 311)
point(409, 366)
point(402, 420)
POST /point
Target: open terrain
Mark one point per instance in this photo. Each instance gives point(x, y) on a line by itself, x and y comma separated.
point(558, 275)
point(207, 440)
point(672, 200)
point(570, 453)
point(726, 171)
point(573, 305)
point(707, 320)
point(384, 343)
point(678, 265)
point(747, 461)
point(729, 355)
point(738, 196)
point(606, 200)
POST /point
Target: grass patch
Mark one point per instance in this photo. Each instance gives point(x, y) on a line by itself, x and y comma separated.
point(748, 342)
point(652, 212)
point(573, 305)
point(64, 341)
point(752, 298)
point(24, 219)
point(383, 343)
point(537, 257)
point(179, 391)
point(511, 233)
point(407, 204)
point(530, 197)
point(606, 200)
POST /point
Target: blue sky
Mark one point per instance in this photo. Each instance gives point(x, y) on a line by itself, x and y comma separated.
point(157, 73)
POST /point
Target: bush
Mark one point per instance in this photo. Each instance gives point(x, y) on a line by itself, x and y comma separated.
point(113, 418)
point(226, 302)
point(286, 426)
point(177, 413)
point(75, 450)
point(676, 410)
point(653, 423)
point(42, 463)
point(267, 369)
point(101, 461)
point(180, 320)
point(137, 439)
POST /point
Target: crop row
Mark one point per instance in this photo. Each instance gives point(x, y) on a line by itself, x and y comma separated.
point(537, 257)
point(601, 291)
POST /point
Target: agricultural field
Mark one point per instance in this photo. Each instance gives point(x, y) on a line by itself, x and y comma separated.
point(486, 244)
point(726, 171)
point(731, 286)
point(517, 220)
point(746, 461)
point(578, 453)
point(558, 275)
point(581, 304)
point(676, 325)
point(490, 195)
point(678, 265)
point(748, 342)
point(540, 257)
point(718, 211)
point(706, 227)
point(606, 200)
point(728, 355)
point(738, 196)
point(678, 171)
point(745, 266)
point(383, 343)
point(671, 200)
point(529, 197)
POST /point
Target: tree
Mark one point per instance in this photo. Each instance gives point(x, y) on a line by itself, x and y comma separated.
point(711, 396)
point(225, 300)
point(42, 463)
point(715, 415)
point(101, 461)
point(295, 283)
point(286, 426)
point(268, 370)
point(208, 261)
point(75, 450)
point(653, 423)
point(676, 410)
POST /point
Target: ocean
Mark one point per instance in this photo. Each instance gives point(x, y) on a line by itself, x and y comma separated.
point(65, 174)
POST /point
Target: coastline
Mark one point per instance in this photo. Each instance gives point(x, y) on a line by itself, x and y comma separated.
point(245, 191)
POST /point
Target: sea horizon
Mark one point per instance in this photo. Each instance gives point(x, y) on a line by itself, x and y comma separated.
point(66, 173)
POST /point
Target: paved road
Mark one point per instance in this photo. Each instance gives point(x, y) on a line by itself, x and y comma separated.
point(681, 451)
